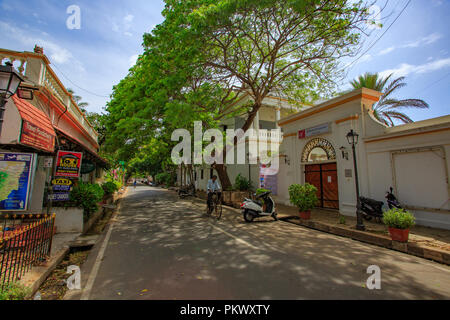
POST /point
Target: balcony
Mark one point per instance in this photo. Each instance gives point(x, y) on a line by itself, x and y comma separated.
point(35, 67)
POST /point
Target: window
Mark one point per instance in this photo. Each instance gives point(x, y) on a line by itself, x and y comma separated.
point(212, 173)
point(202, 174)
point(317, 154)
point(195, 175)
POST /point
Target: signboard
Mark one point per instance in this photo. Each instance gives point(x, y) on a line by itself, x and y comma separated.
point(68, 164)
point(48, 162)
point(62, 184)
point(15, 180)
point(314, 131)
point(61, 188)
point(36, 137)
point(87, 167)
point(59, 197)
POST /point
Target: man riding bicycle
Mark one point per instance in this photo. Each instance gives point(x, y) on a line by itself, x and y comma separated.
point(213, 186)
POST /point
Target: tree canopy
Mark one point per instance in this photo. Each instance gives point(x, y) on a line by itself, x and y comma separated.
point(206, 54)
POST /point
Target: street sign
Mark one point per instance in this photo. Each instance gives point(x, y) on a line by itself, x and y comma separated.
point(314, 131)
point(68, 164)
point(87, 167)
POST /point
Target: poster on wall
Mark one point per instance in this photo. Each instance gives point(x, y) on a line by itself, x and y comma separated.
point(15, 180)
point(68, 164)
point(268, 179)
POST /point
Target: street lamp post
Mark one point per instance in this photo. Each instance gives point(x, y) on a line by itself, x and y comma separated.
point(10, 80)
point(352, 138)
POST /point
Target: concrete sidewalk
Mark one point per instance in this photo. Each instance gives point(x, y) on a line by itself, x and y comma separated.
point(424, 242)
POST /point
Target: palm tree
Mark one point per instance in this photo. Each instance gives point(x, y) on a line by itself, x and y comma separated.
point(81, 105)
point(388, 109)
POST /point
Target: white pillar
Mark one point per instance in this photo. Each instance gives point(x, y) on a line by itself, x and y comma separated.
point(278, 116)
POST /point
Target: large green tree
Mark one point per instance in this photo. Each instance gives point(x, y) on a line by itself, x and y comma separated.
point(208, 53)
point(388, 109)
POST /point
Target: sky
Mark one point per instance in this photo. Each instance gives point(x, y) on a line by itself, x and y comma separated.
point(94, 58)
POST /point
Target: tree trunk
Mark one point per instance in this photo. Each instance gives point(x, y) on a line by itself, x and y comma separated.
point(223, 176)
point(220, 168)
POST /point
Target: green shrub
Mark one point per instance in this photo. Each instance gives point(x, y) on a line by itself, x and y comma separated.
point(399, 219)
point(261, 191)
point(14, 291)
point(304, 197)
point(110, 187)
point(165, 178)
point(242, 184)
point(87, 196)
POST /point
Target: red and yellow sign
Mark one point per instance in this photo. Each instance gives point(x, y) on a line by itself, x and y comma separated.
point(37, 137)
point(68, 164)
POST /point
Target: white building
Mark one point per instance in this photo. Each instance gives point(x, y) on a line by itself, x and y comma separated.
point(412, 158)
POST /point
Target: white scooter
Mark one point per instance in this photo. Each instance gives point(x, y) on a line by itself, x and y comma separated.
point(263, 206)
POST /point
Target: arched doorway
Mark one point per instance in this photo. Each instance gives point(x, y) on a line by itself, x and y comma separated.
point(319, 159)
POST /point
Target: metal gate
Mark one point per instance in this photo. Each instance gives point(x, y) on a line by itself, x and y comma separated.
point(324, 177)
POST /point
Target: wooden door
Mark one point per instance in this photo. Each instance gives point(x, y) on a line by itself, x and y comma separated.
point(324, 178)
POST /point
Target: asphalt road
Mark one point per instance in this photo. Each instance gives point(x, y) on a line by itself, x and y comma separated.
point(160, 247)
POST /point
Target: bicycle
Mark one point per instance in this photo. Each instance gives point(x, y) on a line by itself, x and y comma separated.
point(216, 206)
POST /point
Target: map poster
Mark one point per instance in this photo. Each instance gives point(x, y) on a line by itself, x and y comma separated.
point(68, 164)
point(15, 180)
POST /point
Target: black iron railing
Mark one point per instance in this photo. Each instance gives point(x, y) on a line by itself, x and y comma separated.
point(25, 241)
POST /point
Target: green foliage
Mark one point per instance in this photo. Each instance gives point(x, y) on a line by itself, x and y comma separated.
point(399, 219)
point(87, 196)
point(261, 191)
point(242, 184)
point(388, 108)
point(303, 196)
point(342, 219)
point(207, 54)
point(110, 187)
point(15, 291)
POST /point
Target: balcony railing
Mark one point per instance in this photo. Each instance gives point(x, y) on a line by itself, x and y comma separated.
point(36, 70)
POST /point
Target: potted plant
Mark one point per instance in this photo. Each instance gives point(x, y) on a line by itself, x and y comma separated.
point(304, 197)
point(399, 222)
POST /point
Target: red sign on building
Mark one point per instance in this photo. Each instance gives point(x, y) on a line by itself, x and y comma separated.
point(68, 164)
point(35, 136)
point(302, 134)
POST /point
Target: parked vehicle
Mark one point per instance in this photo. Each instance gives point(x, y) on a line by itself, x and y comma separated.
point(263, 206)
point(373, 209)
point(188, 191)
point(392, 200)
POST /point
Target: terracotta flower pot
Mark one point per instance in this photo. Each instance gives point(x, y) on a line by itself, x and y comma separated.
point(400, 235)
point(305, 215)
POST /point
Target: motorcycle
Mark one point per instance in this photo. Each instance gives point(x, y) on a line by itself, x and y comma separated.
point(373, 209)
point(263, 206)
point(392, 200)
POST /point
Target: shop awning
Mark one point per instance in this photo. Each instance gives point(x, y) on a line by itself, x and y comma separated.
point(37, 130)
point(77, 145)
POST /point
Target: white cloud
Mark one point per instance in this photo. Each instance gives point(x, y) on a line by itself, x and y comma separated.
point(124, 26)
point(133, 59)
point(128, 18)
point(427, 40)
point(405, 69)
point(56, 53)
point(386, 51)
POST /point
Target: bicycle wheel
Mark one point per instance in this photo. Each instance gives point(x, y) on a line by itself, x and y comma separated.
point(219, 213)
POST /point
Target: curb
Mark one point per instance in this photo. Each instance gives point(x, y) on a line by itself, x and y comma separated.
point(44, 272)
point(428, 253)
